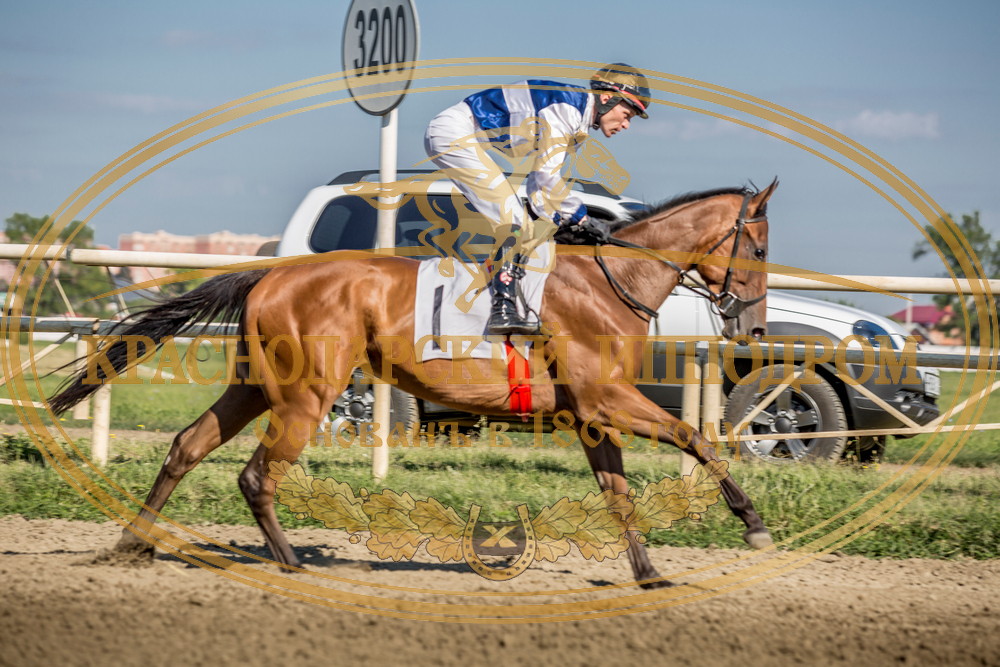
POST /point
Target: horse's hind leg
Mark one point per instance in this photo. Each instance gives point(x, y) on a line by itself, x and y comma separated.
point(606, 462)
point(221, 422)
point(259, 487)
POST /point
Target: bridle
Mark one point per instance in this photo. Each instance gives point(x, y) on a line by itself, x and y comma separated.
point(727, 304)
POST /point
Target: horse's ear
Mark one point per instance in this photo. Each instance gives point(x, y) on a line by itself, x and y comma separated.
point(760, 199)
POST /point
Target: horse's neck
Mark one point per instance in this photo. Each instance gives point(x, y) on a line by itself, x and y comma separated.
point(650, 281)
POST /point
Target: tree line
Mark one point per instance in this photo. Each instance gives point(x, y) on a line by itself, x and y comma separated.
point(80, 283)
point(982, 245)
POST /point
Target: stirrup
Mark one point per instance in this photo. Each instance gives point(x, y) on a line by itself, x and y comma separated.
point(506, 321)
point(500, 325)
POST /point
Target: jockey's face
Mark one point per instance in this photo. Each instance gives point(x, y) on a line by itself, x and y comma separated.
point(617, 119)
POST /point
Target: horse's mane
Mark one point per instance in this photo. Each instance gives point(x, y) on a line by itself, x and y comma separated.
point(685, 198)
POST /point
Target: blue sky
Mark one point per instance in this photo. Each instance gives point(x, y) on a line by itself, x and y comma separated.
point(916, 82)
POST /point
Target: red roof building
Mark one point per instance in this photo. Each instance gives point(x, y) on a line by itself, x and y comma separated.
point(924, 320)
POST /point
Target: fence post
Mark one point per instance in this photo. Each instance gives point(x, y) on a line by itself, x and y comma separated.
point(102, 425)
point(82, 409)
point(711, 397)
point(386, 241)
point(690, 399)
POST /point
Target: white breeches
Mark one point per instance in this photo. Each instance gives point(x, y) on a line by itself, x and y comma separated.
point(452, 144)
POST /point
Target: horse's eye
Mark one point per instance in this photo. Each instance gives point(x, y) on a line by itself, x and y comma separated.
point(760, 253)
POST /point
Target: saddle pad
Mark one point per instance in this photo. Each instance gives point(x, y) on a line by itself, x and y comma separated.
point(435, 312)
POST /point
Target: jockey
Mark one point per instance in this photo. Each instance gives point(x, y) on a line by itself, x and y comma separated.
point(542, 120)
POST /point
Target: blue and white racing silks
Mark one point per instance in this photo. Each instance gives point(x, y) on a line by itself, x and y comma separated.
point(567, 110)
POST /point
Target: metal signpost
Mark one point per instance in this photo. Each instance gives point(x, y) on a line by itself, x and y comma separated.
point(381, 43)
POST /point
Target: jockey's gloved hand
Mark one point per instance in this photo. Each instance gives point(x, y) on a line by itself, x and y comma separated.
point(599, 230)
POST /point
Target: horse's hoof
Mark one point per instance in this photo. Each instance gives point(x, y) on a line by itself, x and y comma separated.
point(127, 553)
point(653, 585)
point(287, 561)
point(758, 539)
point(130, 542)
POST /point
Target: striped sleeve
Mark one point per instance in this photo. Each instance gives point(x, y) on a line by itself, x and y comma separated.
point(548, 191)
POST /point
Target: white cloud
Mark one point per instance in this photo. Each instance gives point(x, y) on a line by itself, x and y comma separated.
point(890, 125)
point(147, 104)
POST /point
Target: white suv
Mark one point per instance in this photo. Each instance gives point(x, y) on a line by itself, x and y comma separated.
point(330, 218)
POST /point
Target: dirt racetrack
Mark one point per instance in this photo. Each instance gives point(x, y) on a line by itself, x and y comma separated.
point(58, 607)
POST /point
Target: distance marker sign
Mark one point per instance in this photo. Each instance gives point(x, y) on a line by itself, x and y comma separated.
point(379, 37)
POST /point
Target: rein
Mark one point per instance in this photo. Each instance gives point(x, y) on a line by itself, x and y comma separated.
point(725, 302)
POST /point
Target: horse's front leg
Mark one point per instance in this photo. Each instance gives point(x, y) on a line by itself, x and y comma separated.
point(649, 418)
point(606, 462)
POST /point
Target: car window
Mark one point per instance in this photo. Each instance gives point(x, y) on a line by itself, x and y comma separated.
point(633, 206)
point(350, 223)
point(347, 223)
point(601, 214)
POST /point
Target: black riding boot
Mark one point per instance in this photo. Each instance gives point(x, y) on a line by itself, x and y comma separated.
point(504, 318)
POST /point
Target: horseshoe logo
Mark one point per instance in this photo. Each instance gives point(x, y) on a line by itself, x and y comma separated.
point(498, 539)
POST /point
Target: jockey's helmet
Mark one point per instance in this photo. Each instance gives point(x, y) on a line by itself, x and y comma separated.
point(626, 84)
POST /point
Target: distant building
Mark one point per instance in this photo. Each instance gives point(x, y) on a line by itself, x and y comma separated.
point(922, 322)
point(216, 243)
point(6, 266)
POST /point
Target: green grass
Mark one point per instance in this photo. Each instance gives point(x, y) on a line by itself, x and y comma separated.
point(981, 450)
point(956, 516)
point(166, 407)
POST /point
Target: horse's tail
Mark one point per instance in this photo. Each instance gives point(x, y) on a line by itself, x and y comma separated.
point(222, 298)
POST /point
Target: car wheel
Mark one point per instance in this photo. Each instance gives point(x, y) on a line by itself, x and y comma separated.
point(809, 408)
point(357, 406)
point(868, 449)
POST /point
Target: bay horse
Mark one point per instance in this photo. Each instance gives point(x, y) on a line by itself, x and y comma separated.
point(374, 297)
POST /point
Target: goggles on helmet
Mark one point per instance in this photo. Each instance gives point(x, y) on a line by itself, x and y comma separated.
point(626, 84)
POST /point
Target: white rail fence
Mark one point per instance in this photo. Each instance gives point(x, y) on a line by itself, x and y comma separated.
point(701, 402)
point(171, 260)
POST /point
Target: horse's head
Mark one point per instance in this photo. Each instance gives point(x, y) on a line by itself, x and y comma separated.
point(740, 289)
point(594, 162)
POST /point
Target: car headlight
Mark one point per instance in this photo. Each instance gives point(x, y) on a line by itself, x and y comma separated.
point(872, 332)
